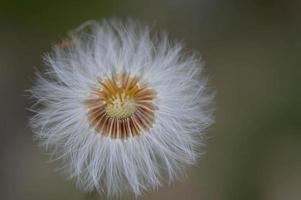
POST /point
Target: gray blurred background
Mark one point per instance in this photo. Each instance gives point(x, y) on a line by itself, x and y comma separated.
point(252, 50)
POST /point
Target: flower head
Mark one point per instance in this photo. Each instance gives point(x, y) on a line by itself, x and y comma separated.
point(122, 107)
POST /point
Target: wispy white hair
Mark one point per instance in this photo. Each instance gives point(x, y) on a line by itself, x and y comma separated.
point(132, 165)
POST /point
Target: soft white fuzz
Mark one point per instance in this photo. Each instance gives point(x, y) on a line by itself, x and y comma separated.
point(131, 165)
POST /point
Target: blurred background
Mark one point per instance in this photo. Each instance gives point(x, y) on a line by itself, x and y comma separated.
point(252, 50)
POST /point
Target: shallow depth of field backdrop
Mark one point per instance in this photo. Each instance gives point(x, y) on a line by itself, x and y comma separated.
point(252, 49)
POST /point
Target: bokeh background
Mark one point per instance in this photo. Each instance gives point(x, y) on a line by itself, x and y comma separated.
point(252, 49)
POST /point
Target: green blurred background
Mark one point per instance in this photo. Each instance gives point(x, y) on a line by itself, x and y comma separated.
point(252, 50)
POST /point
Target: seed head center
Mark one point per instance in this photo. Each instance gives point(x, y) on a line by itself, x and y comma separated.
point(121, 106)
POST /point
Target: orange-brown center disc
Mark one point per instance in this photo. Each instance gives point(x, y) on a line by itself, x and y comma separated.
point(121, 107)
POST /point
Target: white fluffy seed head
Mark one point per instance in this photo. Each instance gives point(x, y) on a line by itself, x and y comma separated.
point(123, 108)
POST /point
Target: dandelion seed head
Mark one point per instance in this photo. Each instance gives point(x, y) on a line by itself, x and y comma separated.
point(122, 108)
